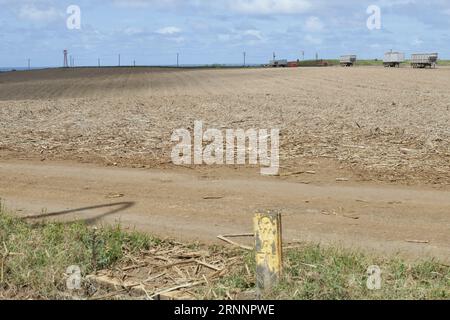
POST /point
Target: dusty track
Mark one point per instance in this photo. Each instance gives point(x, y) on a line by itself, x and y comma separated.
point(386, 130)
point(172, 203)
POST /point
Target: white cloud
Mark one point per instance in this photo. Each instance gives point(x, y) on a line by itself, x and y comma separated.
point(253, 7)
point(179, 39)
point(246, 36)
point(265, 7)
point(254, 33)
point(313, 40)
point(145, 3)
point(32, 13)
point(314, 24)
point(417, 42)
point(224, 37)
point(133, 31)
point(169, 30)
point(394, 3)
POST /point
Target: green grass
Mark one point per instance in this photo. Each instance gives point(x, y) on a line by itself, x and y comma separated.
point(369, 62)
point(336, 62)
point(315, 63)
point(373, 62)
point(444, 63)
point(34, 259)
point(314, 272)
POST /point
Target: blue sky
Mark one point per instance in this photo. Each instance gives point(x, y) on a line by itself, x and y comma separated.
point(202, 31)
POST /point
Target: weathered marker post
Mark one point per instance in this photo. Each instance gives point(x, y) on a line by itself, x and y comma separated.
point(269, 260)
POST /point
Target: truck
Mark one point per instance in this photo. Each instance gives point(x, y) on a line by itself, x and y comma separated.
point(393, 59)
point(348, 60)
point(278, 63)
point(424, 60)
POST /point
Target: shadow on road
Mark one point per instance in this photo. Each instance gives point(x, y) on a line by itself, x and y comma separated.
point(118, 207)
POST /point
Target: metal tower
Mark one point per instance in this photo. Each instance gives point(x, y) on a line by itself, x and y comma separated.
point(66, 62)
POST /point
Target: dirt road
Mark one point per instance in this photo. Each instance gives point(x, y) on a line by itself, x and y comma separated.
point(201, 204)
point(386, 131)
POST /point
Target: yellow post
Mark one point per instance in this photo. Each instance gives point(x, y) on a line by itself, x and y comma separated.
point(268, 238)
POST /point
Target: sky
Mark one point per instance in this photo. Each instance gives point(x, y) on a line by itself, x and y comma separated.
point(152, 32)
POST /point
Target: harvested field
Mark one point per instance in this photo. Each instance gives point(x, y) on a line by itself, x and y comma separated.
point(363, 151)
point(388, 125)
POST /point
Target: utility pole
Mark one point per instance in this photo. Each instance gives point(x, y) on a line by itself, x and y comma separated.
point(178, 60)
point(29, 64)
point(119, 59)
point(134, 63)
point(274, 56)
point(245, 58)
point(303, 55)
point(99, 65)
